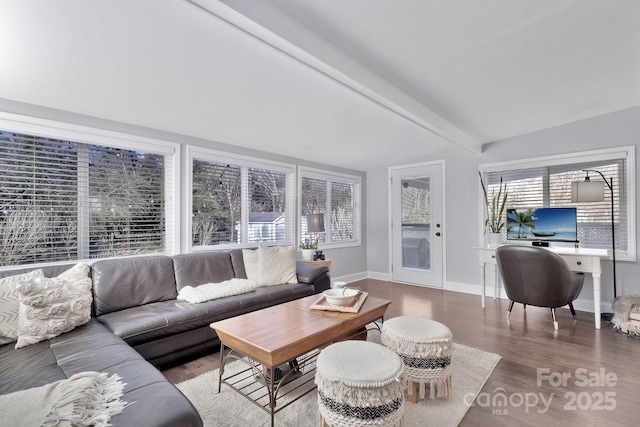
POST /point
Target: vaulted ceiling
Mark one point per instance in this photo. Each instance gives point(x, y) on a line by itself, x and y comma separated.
point(360, 84)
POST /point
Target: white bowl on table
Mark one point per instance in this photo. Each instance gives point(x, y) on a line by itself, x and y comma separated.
point(342, 297)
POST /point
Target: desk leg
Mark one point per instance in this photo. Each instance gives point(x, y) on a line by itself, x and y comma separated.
point(484, 285)
point(495, 282)
point(596, 298)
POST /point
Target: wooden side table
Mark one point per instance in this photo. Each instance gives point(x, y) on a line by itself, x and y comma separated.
point(326, 262)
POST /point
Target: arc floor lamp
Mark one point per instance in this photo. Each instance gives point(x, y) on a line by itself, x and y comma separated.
point(593, 191)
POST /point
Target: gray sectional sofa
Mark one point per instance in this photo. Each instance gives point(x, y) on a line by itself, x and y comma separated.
point(138, 325)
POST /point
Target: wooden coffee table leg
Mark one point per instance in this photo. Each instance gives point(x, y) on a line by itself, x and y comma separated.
point(412, 392)
point(221, 370)
point(272, 396)
point(361, 334)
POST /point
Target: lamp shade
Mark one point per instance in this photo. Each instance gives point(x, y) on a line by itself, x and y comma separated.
point(315, 223)
point(587, 191)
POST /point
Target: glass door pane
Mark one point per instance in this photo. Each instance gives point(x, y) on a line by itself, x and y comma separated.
point(416, 223)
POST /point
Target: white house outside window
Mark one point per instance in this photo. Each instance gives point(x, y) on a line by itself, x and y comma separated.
point(239, 201)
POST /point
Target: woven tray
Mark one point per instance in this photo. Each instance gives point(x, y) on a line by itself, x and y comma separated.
point(354, 307)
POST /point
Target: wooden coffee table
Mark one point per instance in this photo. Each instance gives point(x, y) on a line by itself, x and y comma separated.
point(290, 332)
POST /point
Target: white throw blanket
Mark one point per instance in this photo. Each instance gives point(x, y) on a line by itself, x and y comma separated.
point(623, 307)
point(210, 291)
point(85, 399)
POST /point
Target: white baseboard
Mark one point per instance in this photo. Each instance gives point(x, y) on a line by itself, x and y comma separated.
point(378, 275)
point(465, 288)
point(351, 277)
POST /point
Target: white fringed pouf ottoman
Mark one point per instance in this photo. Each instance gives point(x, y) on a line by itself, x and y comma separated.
point(359, 384)
point(426, 347)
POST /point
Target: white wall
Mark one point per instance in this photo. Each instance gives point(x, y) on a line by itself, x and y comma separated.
point(463, 198)
point(378, 247)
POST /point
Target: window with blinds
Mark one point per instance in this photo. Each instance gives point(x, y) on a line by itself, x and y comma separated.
point(314, 200)
point(337, 197)
point(240, 202)
point(550, 186)
point(63, 200)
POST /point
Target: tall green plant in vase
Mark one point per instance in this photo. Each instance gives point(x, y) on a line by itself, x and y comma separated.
point(495, 205)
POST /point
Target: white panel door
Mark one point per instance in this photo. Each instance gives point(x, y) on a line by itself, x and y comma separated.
point(417, 229)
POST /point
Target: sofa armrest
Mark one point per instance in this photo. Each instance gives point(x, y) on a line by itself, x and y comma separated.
point(316, 275)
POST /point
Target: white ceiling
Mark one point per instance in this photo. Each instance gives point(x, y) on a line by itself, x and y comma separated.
point(360, 84)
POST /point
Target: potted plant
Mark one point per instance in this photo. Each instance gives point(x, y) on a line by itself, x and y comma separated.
point(495, 211)
point(308, 248)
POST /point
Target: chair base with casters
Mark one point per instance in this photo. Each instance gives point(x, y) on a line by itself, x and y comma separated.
point(536, 276)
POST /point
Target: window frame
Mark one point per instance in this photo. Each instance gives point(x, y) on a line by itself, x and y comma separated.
point(46, 128)
point(216, 156)
point(356, 181)
point(615, 153)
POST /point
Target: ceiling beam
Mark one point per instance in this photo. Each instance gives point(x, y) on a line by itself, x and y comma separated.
point(277, 30)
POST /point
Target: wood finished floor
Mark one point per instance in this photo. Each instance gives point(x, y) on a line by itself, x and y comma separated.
point(527, 342)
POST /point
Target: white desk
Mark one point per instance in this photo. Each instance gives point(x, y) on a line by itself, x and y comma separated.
point(581, 259)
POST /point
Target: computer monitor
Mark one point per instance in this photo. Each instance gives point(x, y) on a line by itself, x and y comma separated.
point(542, 224)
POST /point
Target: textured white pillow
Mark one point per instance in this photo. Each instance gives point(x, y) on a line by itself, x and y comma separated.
point(9, 303)
point(52, 306)
point(277, 265)
point(270, 265)
point(251, 264)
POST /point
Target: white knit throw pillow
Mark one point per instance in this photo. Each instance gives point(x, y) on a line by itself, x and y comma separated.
point(10, 303)
point(52, 306)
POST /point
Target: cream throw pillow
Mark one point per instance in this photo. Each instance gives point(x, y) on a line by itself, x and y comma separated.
point(277, 265)
point(52, 306)
point(271, 265)
point(9, 304)
point(251, 264)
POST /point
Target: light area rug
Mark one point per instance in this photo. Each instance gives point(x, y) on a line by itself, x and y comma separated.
point(471, 369)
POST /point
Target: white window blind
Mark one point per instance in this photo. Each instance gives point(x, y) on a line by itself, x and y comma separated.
point(342, 211)
point(240, 202)
point(314, 200)
point(216, 203)
point(267, 194)
point(64, 200)
point(338, 198)
point(550, 186)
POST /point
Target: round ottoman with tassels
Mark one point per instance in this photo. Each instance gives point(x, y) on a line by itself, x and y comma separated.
point(426, 347)
point(359, 384)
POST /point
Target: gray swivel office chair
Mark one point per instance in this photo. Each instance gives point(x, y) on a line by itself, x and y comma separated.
point(537, 276)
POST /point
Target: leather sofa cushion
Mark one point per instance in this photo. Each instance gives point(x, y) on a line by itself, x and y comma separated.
point(128, 282)
point(200, 268)
point(237, 259)
point(138, 325)
point(93, 348)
